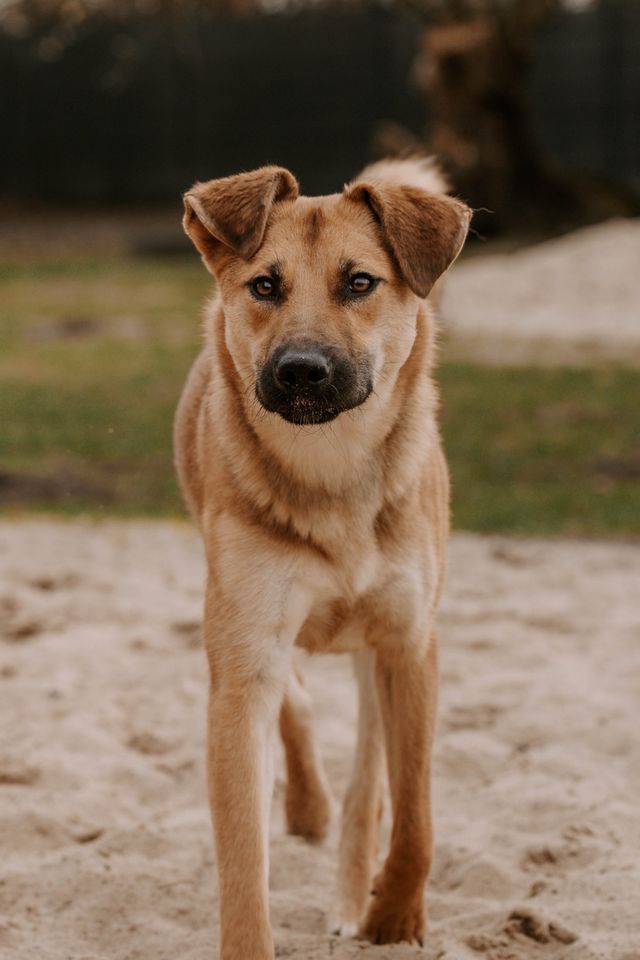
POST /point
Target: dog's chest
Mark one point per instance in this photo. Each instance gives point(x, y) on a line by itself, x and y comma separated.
point(360, 597)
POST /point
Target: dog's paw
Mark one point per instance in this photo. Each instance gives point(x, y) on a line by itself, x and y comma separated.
point(392, 921)
point(345, 929)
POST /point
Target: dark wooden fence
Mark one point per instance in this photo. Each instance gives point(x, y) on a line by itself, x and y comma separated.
point(137, 109)
point(141, 108)
point(584, 91)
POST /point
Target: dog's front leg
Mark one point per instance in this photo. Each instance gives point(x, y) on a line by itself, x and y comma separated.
point(249, 664)
point(407, 688)
point(362, 804)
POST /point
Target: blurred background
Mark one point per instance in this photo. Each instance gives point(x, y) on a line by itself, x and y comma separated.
point(111, 109)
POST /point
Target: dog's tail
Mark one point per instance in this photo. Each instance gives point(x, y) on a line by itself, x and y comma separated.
point(417, 171)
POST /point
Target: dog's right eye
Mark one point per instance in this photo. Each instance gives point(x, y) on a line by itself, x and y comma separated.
point(264, 287)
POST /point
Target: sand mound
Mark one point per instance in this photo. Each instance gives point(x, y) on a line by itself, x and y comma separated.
point(571, 300)
point(104, 830)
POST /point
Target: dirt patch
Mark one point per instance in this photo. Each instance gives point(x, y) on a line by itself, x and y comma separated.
point(28, 489)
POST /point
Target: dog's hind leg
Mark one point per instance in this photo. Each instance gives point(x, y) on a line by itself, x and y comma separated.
point(362, 805)
point(307, 796)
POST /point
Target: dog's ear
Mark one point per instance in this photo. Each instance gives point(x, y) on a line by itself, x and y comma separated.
point(232, 212)
point(425, 231)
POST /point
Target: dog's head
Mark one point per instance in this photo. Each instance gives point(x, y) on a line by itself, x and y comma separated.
point(320, 293)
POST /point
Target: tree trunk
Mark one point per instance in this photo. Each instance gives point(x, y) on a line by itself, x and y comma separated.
point(474, 75)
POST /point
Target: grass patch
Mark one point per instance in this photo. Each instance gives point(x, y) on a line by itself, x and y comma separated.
point(93, 356)
point(545, 451)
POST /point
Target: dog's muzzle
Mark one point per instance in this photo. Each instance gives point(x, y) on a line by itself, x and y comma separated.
point(308, 383)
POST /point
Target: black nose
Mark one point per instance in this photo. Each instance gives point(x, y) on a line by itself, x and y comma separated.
point(302, 370)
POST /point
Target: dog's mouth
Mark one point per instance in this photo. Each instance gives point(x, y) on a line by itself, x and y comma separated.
point(310, 384)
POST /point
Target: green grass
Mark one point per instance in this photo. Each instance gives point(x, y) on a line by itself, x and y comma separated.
point(92, 358)
point(93, 355)
point(536, 450)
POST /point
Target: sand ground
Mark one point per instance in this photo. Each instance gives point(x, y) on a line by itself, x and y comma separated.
point(104, 827)
point(572, 300)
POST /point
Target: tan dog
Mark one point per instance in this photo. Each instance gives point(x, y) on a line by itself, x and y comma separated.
point(308, 450)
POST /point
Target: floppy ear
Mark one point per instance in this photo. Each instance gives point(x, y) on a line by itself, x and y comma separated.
point(425, 231)
point(232, 212)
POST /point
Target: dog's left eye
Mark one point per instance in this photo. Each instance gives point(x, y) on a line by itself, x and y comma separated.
point(361, 283)
point(264, 287)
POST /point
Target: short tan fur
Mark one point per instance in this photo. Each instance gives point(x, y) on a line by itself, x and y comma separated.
point(308, 451)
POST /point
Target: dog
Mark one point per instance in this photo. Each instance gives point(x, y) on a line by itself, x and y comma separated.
point(308, 452)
